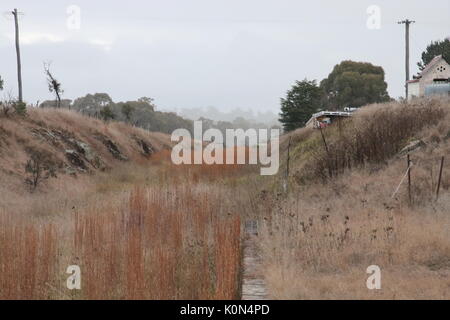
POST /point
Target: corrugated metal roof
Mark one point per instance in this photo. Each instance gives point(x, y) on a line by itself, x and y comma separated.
point(328, 113)
point(332, 113)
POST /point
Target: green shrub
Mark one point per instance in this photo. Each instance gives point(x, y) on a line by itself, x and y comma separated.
point(20, 108)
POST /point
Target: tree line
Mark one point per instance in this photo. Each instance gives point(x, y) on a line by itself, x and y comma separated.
point(350, 84)
point(140, 113)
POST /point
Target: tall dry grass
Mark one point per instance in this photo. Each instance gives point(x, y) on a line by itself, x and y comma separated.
point(139, 232)
point(321, 249)
point(374, 135)
point(141, 229)
point(159, 247)
point(318, 241)
point(27, 259)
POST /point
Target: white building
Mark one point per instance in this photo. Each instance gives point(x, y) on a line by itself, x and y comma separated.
point(434, 78)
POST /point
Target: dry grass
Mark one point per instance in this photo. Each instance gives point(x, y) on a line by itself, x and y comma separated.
point(320, 248)
point(142, 229)
point(374, 135)
point(159, 247)
point(319, 244)
point(144, 241)
point(147, 229)
point(319, 241)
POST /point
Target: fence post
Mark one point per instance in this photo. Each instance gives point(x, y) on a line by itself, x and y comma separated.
point(440, 177)
point(409, 178)
point(286, 182)
point(330, 170)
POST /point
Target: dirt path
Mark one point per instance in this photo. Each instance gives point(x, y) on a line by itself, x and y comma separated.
point(253, 283)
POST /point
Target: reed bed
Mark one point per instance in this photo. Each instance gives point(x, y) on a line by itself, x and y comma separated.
point(173, 241)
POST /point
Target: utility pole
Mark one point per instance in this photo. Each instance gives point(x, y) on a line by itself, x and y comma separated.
point(407, 23)
point(19, 65)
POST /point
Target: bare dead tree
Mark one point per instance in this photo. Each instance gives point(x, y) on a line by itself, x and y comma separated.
point(7, 103)
point(39, 168)
point(54, 86)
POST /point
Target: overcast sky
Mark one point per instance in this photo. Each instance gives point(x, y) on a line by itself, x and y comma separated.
point(199, 53)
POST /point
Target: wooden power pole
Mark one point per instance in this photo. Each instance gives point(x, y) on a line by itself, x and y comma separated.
point(19, 65)
point(407, 23)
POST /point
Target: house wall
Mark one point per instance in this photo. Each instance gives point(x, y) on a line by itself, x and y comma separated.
point(439, 70)
point(438, 89)
point(413, 90)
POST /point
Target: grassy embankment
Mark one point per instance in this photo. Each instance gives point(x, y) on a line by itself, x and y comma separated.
point(341, 216)
point(138, 226)
point(144, 228)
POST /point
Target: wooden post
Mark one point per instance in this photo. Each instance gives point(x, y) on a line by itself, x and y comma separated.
point(324, 141)
point(330, 170)
point(288, 157)
point(409, 178)
point(440, 177)
point(286, 182)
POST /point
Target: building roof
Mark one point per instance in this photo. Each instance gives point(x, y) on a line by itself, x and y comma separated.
point(427, 68)
point(431, 64)
point(332, 113)
point(328, 113)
